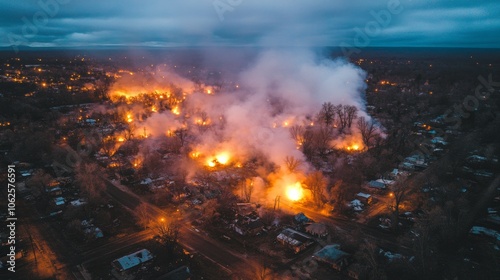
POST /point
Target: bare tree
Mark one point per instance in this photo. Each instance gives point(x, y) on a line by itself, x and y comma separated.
point(308, 146)
point(203, 121)
point(247, 189)
point(367, 129)
point(316, 183)
point(204, 117)
point(399, 193)
point(292, 163)
point(337, 194)
point(167, 233)
point(129, 131)
point(322, 137)
point(89, 178)
point(327, 114)
point(297, 133)
point(351, 113)
point(342, 116)
point(182, 134)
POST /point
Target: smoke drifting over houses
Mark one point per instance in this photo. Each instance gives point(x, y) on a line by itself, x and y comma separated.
point(251, 117)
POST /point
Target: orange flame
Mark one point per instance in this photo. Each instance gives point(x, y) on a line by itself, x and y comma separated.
point(222, 158)
point(295, 192)
point(354, 148)
point(129, 118)
point(176, 110)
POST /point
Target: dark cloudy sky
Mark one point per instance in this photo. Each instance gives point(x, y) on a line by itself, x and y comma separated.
point(92, 23)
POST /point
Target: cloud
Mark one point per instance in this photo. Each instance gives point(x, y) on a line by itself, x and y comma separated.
point(255, 23)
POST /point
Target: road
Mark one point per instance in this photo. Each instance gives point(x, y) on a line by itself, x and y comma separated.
point(241, 266)
point(210, 249)
point(113, 246)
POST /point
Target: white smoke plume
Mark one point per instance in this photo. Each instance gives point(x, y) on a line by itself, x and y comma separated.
point(278, 90)
point(252, 116)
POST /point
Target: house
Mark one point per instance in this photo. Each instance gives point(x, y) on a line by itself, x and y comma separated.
point(356, 205)
point(146, 181)
point(407, 166)
point(439, 140)
point(254, 227)
point(486, 233)
point(381, 184)
point(248, 225)
point(419, 159)
point(476, 159)
point(295, 240)
point(59, 201)
point(301, 218)
point(93, 232)
point(132, 260)
point(364, 198)
point(386, 182)
point(376, 185)
point(78, 202)
point(26, 173)
point(55, 191)
point(397, 173)
point(390, 256)
point(332, 255)
point(90, 121)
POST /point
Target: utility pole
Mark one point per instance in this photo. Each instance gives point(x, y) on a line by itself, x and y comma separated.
point(277, 202)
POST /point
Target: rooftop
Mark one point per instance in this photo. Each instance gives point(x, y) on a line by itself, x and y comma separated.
point(132, 260)
point(331, 254)
point(293, 237)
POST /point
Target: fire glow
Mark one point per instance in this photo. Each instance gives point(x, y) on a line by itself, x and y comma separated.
point(176, 111)
point(222, 158)
point(220, 129)
point(353, 148)
point(295, 192)
point(129, 118)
